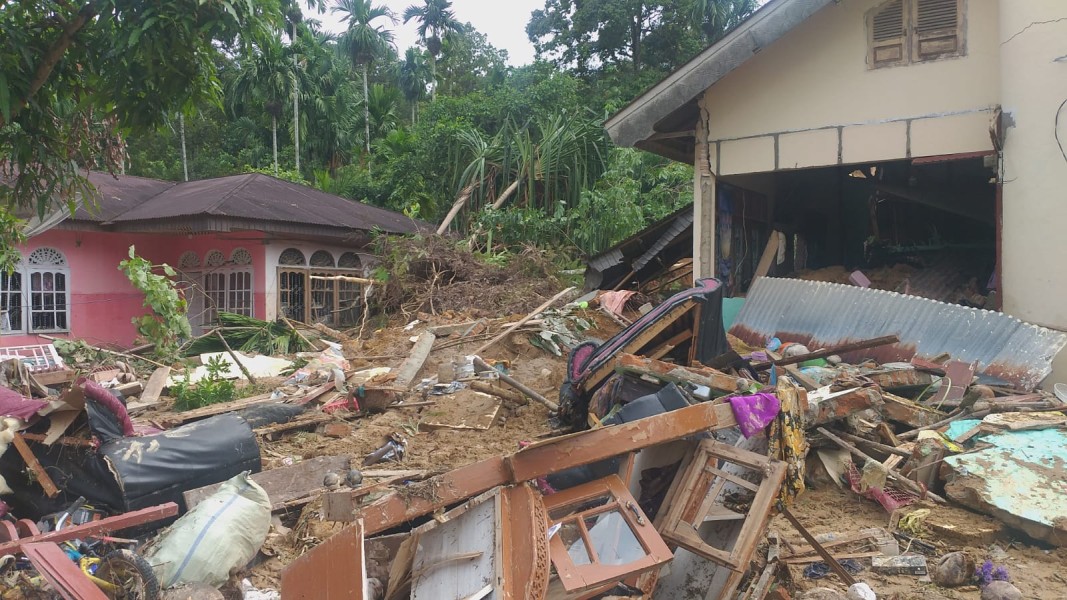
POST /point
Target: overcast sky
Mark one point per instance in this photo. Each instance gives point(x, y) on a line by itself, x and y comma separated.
point(502, 21)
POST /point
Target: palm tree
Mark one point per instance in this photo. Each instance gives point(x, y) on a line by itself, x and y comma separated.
point(412, 74)
point(436, 21)
point(364, 42)
point(265, 76)
point(717, 17)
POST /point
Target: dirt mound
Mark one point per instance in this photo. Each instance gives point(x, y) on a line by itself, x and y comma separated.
point(436, 274)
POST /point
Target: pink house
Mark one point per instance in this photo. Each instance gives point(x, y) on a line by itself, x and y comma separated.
point(250, 244)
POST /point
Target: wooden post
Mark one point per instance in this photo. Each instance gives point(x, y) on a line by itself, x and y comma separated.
point(237, 360)
point(552, 406)
point(523, 320)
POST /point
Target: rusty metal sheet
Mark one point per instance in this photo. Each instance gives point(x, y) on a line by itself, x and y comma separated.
point(65, 577)
point(820, 314)
point(334, 570)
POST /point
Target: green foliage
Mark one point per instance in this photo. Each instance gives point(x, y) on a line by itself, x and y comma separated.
point(76, 76)
point(286, 174)
point(167, 323)
point(250, 335)
point(212, 389)
point(10, 237)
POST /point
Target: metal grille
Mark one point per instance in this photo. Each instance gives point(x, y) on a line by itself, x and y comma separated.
point(291, 288)
point(48, 300)
point(292, 256)
point(889, 22)
point(10, 301)
point(935, 15)
point(322, 258)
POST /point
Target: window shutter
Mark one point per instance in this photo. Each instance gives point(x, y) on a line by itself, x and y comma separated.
point(937, 29)
point(888, 35)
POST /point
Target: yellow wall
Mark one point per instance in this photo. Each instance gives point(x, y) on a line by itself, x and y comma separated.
point(816, 77)
point(1034, 232)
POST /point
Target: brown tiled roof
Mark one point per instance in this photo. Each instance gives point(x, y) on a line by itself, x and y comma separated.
point(126, 200)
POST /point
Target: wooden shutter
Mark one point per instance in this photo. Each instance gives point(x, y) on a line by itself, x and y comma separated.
point(887, 35)
point(938, 31)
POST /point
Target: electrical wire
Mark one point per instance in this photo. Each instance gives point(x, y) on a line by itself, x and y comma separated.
point(1056, 129)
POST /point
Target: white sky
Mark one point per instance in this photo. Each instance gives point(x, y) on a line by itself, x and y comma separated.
point(502, 21)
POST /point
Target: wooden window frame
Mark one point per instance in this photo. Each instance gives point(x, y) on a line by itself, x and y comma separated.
point(691, 501)
point(337, 290)
point(579, 578)
point(911, 41)
point(27, 297)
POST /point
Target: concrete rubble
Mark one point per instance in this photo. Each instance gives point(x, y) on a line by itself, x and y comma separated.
point(675, 458)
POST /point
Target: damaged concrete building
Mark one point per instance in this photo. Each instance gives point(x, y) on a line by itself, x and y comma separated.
point(948, 149)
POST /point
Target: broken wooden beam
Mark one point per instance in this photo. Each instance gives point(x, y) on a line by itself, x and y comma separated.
point(63, 574)
point(411, 366)
point(154, 387)
point(826, 556)
point(34, 466)
point(843, 348)
point(488, 388)
point(481, 364)
point(336, 568)
point(912, 414)
point(716, 380)
point(297, 423)
point(873, 444)
point(105, 525)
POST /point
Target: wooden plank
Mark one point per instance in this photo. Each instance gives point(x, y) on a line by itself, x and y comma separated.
point(154, 387)
point(457, 556)
point(958, 377)
point(413, 363)
point(508, 379)
point(716, 380)
point(811, 559)
point(54, 377)
point(225, 407)
point(575, 450)
point(671, 344)
point(770, 251)
point(61, 572)
point(105, 525)
point(912, 414)
point(283, 484)
point(297, 423)
point(35, 467)
point(850, 347)
point(336, 569)
point(522, 321)
point(900, 480)
point(63, 441)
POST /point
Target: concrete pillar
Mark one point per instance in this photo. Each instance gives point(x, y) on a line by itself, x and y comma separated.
point(704, 190)
point(1033, 72)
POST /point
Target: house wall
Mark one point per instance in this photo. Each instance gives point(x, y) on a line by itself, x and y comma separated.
point(809, 100)
point(253, 241)
point(1033, 70)
point(102, 300)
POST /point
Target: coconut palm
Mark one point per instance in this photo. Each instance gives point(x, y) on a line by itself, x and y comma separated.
point(436, 20)
point(265, 76)
point(364, 42)
point(412, 74)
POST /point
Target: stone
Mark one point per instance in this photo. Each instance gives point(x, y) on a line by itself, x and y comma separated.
point(821, 593)
point(953, 569)
point(1001, 590)
point(861, 591)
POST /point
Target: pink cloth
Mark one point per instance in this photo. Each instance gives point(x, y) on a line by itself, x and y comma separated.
point(754, 412)
point(615, 301)
point(13, 404)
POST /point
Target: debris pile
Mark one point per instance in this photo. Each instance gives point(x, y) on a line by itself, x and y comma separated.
point(457, 457)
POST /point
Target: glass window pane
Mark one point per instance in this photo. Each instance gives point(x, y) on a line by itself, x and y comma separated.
point(613, 539)
point(571, 536)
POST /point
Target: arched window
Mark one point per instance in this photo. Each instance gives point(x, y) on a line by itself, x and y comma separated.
point(349, 260)
point(292, 257)
point(241, 257)
point(41, 288)
point(188, 260)
point(322, 258)
point(214, 259)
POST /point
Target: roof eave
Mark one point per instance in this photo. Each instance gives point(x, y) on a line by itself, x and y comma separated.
point(637, 122)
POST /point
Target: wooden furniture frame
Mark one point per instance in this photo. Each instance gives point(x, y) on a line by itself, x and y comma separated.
point(694, 499)
point(574, 509)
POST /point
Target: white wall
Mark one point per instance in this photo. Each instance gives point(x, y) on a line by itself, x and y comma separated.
point(1033, 70)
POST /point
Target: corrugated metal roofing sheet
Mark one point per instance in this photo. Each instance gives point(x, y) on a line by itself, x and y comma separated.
point(820, 314)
